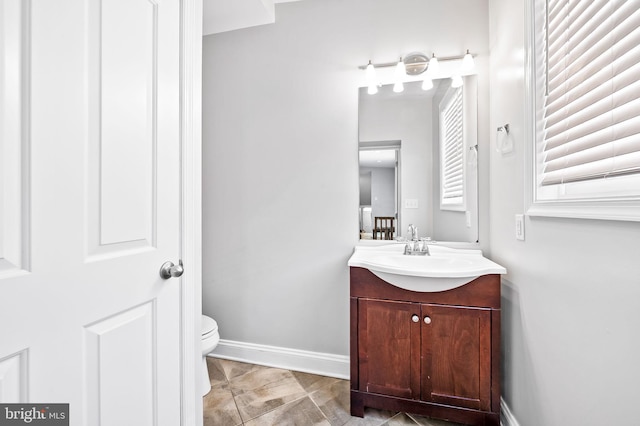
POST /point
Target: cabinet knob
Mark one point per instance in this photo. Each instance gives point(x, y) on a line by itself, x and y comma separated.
point(415, 318)
point(427, 320)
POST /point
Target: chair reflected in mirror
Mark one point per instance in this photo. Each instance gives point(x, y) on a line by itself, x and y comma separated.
point(384, 228)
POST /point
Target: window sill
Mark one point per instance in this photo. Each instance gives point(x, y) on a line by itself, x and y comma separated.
point(622, 211)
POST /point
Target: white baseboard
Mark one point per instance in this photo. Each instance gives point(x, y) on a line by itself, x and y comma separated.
point(291, 359)
point(506, 417)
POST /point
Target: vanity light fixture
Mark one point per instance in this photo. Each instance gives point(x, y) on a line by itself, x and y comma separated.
point(427, 83)
point(415, 64)
point(372, 84)
point(434, 65)
point(401, 71)
point(468, 64)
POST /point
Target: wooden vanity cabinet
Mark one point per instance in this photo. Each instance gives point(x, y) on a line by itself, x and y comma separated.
point(433, 354)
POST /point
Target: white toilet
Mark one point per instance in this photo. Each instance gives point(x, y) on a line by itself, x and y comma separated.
point(210, 339)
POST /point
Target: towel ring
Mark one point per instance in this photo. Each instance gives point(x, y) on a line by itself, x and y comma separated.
point(504, 128)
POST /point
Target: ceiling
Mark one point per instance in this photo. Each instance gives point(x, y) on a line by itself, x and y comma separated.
point(378, 158)
point(228, 15)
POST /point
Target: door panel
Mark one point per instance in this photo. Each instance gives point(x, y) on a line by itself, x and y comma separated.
point(92, 201)
point(123, 42)
point(457, 356)
point(389, 348)
point(123, 345)
point(13, 377)
point(14, 166)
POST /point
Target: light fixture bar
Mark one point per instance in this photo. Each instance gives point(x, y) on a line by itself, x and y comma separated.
point(440, 59)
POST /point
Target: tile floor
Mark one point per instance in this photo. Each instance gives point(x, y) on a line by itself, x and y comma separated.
point(252, 395)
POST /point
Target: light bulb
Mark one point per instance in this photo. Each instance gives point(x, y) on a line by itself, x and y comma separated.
point(427, 83)
point(370, 73)
point(372, 85)
point(401, 71)
point(456, 81)
point(434, 66)
point(468, 64)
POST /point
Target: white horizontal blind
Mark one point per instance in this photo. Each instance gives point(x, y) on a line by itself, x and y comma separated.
point(451, 151)
point(591, 116)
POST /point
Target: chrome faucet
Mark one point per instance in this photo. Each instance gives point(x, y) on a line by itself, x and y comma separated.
point(415, 246)
point(413, 231)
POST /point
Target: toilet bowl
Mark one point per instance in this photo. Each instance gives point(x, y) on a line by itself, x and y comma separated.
point(210, 339)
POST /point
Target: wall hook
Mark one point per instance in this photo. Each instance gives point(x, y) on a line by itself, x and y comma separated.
point(504, 128)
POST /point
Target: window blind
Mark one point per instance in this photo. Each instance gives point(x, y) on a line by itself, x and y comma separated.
point(591, 111)
point(452, 151)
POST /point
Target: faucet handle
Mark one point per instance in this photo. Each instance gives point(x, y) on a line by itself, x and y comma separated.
point(425, 244)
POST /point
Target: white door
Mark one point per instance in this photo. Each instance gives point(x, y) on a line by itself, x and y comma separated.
point(90, 208)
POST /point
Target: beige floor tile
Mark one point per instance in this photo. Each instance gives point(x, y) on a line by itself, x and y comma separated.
point(371, 418)
point(334, 402)
point(313, 382)
point(220, 407)
point(400, 419)
point(426, 421)
point(265, 396)
point(261, 390)
point(216, 374)
point(302, 412)
point(233, 369)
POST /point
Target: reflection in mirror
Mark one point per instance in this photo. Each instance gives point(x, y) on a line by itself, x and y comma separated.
point(379, 171)
point(404, 139)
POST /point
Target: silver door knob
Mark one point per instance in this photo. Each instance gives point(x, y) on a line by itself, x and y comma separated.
point(427, 320)
point(168, 270)
point(415, 318)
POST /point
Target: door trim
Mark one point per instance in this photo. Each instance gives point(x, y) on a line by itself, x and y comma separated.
point(191, 209)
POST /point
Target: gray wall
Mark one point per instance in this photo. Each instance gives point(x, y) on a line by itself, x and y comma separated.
point(280, 157)
point(572, 295)
point(382, 190)
point(365, 188)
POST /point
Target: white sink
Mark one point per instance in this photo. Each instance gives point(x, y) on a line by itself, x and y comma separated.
point(445, 269)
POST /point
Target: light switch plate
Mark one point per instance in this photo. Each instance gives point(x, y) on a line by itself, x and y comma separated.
point(520, 227)
point(411, 203)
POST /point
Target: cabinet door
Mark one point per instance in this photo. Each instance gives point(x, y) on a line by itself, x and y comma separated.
point(389, 348)
point(456, 350)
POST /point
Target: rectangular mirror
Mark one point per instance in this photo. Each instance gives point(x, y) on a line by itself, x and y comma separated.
point(418, 161)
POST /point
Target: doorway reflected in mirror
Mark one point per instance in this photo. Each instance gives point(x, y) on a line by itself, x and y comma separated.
point(379, 171)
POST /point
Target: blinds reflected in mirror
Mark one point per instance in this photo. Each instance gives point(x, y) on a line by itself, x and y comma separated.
point(452, 151)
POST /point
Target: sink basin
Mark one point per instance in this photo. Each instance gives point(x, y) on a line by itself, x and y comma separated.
point(445, 269)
